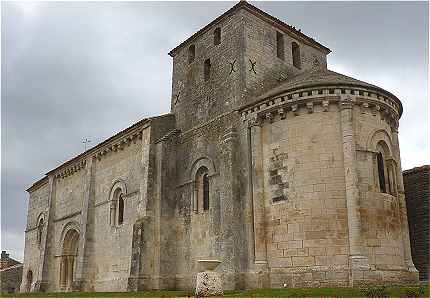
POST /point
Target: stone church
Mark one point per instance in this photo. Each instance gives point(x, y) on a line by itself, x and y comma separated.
point(285, 171)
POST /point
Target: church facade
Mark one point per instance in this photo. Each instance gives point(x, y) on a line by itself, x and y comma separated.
point(285, 171)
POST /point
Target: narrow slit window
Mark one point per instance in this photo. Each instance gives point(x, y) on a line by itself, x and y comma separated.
point(217, 36)
point(280, 51)
point(381, 172)
point(191, 53)
point(205, 192)
point(39, 232)
point(207, 69)
point(295, 49)
point(120, 210)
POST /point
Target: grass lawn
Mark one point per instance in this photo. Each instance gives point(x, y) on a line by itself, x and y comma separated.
point(406, 292)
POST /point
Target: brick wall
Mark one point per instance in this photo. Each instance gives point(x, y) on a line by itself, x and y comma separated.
point(417, 191)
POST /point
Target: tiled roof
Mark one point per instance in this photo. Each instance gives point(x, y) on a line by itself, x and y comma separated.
point(95, 148)
point(415, 170)
point(261, 14)
point(319, 77)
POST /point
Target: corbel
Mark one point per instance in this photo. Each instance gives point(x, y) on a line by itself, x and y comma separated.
point(325, 104)
point(269, 116)
point(310, 107)
point(282, 114)
point(375, 109)
point(364, 106)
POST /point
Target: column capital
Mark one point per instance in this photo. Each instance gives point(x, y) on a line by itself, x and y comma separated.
point(255, 121)
point(346, 102)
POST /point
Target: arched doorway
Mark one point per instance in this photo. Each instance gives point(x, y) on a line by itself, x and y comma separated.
point(29, 280)
point(69, 253)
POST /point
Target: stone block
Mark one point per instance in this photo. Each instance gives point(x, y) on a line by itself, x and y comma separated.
point(303, 261)
point(209, 283)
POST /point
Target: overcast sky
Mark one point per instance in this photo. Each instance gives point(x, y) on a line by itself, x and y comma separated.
point(74, 69)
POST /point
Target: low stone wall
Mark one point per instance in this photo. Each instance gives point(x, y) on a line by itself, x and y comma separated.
point(417, 192)
point(10, 279)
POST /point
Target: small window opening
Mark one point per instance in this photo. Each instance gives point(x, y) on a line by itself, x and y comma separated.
point(280, 45)
point(120, 210)
point(39, 232)
point(205, 192)
point(207, 69)
point(381, 172)
point(296, 54)
point(217, 36)
point(191, 53)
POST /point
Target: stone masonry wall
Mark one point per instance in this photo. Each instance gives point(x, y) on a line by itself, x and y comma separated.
point(304, 200)
point(263, 69)
point(194, 100)
point(380, 212)
point(417, 191)
point(217, 232)
point(37, 207)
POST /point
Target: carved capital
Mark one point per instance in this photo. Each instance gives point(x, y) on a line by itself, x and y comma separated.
point(346, 102)
point(254, 121)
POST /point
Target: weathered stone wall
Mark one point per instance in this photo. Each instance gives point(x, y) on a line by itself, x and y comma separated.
point(417, 192)
point(263, 69)
point(218, 232)
point(10, 279)
point(201, 100)
point(294, 195)
point(81, 200)
point(381, 214)
point(301, 181)
point(38, 205)
point(112, 243)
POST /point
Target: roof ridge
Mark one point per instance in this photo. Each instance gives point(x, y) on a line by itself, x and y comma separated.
point(251, 8)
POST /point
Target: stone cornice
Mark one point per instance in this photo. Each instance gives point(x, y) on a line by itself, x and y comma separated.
point(308, 98)
point(112, 144)
point(70, 170)
point(39, 183)
point(120, 143)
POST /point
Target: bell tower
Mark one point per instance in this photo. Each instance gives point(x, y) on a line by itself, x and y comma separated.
point(235, 58)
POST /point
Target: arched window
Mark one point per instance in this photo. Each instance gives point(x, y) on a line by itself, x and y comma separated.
point(280, 45)
point(217, 36)
point(120, 209)
point(29, 280)
point(39, 231)
point(191, 53)
point(117, 197)
point(207, 69)
point(295, 51)
point(381, 172)
point(205, 192)
point(202, 189)
point(67, 261)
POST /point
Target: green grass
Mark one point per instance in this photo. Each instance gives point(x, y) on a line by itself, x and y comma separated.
point(260, 293)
